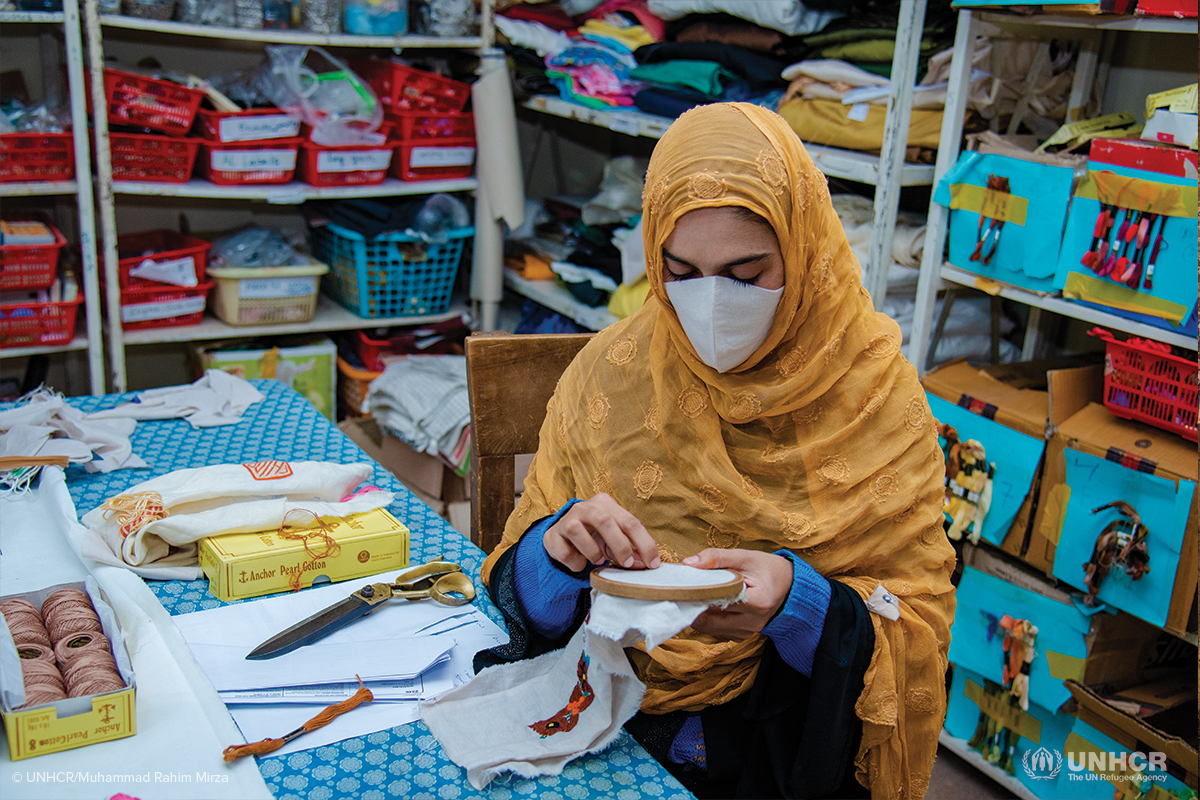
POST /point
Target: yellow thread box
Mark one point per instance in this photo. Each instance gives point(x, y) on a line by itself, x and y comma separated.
point(241, 565)
point(75, 721)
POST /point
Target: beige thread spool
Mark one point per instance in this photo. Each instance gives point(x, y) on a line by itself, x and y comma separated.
point(24, 622)
point(39, 672)
point(87, 664)
point(68, 612)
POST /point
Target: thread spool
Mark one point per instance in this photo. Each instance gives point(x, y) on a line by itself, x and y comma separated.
point(24, 623)
point(87, 664)
point(43, 683)
point(68, 612)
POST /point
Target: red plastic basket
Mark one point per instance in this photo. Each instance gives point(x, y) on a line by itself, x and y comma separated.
point(432, 125)
point(353, 385)
point(407, 89)
point(153, 158)
point(423, 161)
point(32, 324)
point(46, 157)
point(149, 102)
point(242, 164)
point(250, 125)
point(1144, 381)
point(347, 165)
point(159, 246)
point(30, 266)
point(163, 306)
point(437, 338)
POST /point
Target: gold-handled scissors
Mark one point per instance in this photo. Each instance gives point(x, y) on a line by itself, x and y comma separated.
point(438, 580)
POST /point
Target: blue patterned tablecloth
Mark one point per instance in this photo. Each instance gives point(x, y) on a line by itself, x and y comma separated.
point(401, 762)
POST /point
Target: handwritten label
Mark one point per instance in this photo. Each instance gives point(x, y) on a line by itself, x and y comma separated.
point(442, 156)
point(353, 160)
point(177, 271)
point(253, 160)
point(245, 129)
point(624, 123)
point(265, 288)
point(172, 308)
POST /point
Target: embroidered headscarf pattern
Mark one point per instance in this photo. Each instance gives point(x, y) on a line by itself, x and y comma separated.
point(788, 484)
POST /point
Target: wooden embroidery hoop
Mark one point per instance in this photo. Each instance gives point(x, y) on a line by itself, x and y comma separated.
point(668, 582)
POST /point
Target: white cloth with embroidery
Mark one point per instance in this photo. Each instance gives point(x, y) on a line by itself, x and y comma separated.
point(533, 717)
point(226, 498)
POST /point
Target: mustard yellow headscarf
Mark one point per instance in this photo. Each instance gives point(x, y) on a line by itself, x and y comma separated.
point(822, 442)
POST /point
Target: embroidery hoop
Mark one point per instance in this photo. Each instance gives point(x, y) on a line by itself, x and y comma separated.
point(676, 582)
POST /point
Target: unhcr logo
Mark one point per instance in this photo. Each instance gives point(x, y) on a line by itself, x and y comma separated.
point(1042, 764)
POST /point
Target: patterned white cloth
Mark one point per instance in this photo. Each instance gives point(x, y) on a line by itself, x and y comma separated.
point(423, 400)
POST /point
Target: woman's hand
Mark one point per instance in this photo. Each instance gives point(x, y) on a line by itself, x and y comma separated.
point(768, 580)
point(599, 530)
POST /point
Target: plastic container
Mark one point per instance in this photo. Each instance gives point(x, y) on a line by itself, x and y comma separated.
point(425, 161)
point(346, 165)
point(33, 324)
point(392, 275)
point(376, 17)
point(30, 266)
point(147, 102)
point(250, 125)
point(163, 306)
point(152, 158)
point(241, 164)
point(437, 338)
point(425, 126)
point(165, 247)
point(45, 157)
point(406, 89)
point(353, 385)
point(1144, 381)
point(266, 295)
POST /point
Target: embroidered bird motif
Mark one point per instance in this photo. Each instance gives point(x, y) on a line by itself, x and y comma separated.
point(581, 697)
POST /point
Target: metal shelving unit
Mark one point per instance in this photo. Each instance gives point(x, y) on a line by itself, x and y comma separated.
point(329, 315)
point(1092, 67)
point(90, 339)
point(887, 172)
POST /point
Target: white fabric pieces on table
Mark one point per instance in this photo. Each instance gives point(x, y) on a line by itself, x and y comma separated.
point(216, 398)
point(44, 425)
point(423, 400)
point(225, 498)
point(182, 725)
point(533, 717)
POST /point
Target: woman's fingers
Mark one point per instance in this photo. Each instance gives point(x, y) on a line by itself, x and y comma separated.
point(597, 530)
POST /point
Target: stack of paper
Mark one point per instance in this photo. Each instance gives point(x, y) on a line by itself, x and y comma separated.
point(403, 652)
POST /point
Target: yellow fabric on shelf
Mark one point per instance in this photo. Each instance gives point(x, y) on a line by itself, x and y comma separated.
point(828, 122)
point(628, 298)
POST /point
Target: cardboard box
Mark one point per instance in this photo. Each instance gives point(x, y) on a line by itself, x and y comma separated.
point(307, 368)
point(1098, 764)
point(240, 565)
point(75, 721)
point(1142, 449)
point(1031, 397)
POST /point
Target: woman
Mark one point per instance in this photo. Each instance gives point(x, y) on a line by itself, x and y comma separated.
point(755, 414)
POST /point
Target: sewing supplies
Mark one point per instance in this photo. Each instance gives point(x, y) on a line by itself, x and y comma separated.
point(676, 582)
point(999, 184)
point(1149, 283)
point(1093, 257)
point(438, 580)
point(968, 485)
point(328, 715)
point(1123, 543)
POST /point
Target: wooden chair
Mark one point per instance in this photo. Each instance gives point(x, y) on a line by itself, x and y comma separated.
point(510, 379)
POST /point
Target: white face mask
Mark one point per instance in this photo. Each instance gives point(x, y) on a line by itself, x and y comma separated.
point(725, 320)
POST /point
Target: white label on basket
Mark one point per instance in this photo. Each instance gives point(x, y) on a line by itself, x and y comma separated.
point(265, 288)
point(353, 161)
point(624, 123)
point(243, 129)
point(253, 160)
point(172, 308)
point(175, 271)
point(442, 157)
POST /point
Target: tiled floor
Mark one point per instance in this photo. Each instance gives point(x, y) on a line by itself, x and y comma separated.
point(955, 779)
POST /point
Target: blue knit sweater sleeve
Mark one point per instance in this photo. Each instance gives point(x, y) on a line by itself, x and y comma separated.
point(547, 592)
point(796, 629)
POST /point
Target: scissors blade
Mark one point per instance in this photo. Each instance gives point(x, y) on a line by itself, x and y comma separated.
point(309, 630)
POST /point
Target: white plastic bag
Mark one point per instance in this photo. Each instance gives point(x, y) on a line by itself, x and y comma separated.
point(317, 88)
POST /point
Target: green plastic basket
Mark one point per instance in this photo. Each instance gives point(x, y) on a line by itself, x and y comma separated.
point(392, 275)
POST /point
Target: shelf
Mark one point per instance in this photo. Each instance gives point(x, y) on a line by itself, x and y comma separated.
point(1101, 22)
point(1068, 308)
point(960, 748)
point(38, 188)
point(290, 193)
point(7, 17)
point(833, 161)
point(329, 317)
point(80, 342)
point(270, 36)
point(556, 298)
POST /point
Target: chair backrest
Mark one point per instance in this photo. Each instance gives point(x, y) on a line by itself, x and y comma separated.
point(510, 378)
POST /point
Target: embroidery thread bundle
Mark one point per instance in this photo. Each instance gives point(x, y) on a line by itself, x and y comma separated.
point(62, 648)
